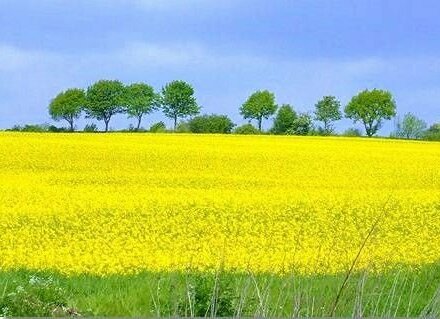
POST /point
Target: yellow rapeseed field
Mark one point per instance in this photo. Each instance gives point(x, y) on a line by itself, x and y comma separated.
point(125, 203)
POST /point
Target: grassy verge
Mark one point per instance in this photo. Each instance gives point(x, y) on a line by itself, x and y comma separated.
point(401, 292)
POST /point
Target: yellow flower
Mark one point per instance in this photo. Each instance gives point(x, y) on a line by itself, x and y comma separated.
point(125, 203)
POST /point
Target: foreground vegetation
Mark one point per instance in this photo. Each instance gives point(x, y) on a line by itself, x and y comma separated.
point(401, 292)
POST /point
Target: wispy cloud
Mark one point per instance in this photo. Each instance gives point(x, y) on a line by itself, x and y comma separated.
point(222, 79)
point(139, 55)
point(134, 55)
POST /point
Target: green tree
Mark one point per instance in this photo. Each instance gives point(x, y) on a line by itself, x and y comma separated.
point(104, 99)
point(410, 127)
point(68, 106)
point(260, 105)
point(302, 125)
point(284, 120)
point(327, 111)
point(371, 108)
point(139, 100)
point(211, 124)
point(178, 101)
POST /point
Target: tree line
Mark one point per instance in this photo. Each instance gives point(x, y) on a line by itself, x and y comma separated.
point(106, 98)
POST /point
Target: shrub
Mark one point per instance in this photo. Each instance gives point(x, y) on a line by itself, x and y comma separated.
point(55, 129)
point(35, 128)
point(246, 129)
point(131, 129)
point(433, 133)
point(182, 127)
point(321, 131)
point(91, 128)
point(15, 128)
point(209, 296)
point(352, 132)
point(39, 296)
point(158, 127)
point(31, 128)
point(211, 124)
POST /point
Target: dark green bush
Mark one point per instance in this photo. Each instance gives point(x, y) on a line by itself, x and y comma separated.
point(433, 133)
point(246, 129)
point(31, 128)
point(352, 132)
point(182, 127)
point(91, 128)
point(55, 129)
point(211, 124)
point(35, 128)
point(158, 127)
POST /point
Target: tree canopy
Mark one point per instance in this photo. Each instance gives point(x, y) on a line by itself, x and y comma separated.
point(178, 101)
point(371, 108)
point(260, 105)
point(327, 110)
point(68, 106)
point(284, 120)
point(410, 127)
point(139, 100)
point(302, 125)
point(105, 98)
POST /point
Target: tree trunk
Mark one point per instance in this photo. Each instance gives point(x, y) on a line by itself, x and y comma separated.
point(139, 123)
point(326, 128)
point(369, 130)
point(259, 123)
point(106, 121)
point(175, 122)
point(72, 128)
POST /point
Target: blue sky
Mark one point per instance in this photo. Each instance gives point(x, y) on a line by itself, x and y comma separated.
point(300, 50)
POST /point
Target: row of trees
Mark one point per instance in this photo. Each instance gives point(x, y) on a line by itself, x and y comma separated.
point(105, 98)
point(370, 108)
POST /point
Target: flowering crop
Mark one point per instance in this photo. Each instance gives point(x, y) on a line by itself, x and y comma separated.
point(125, 203)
